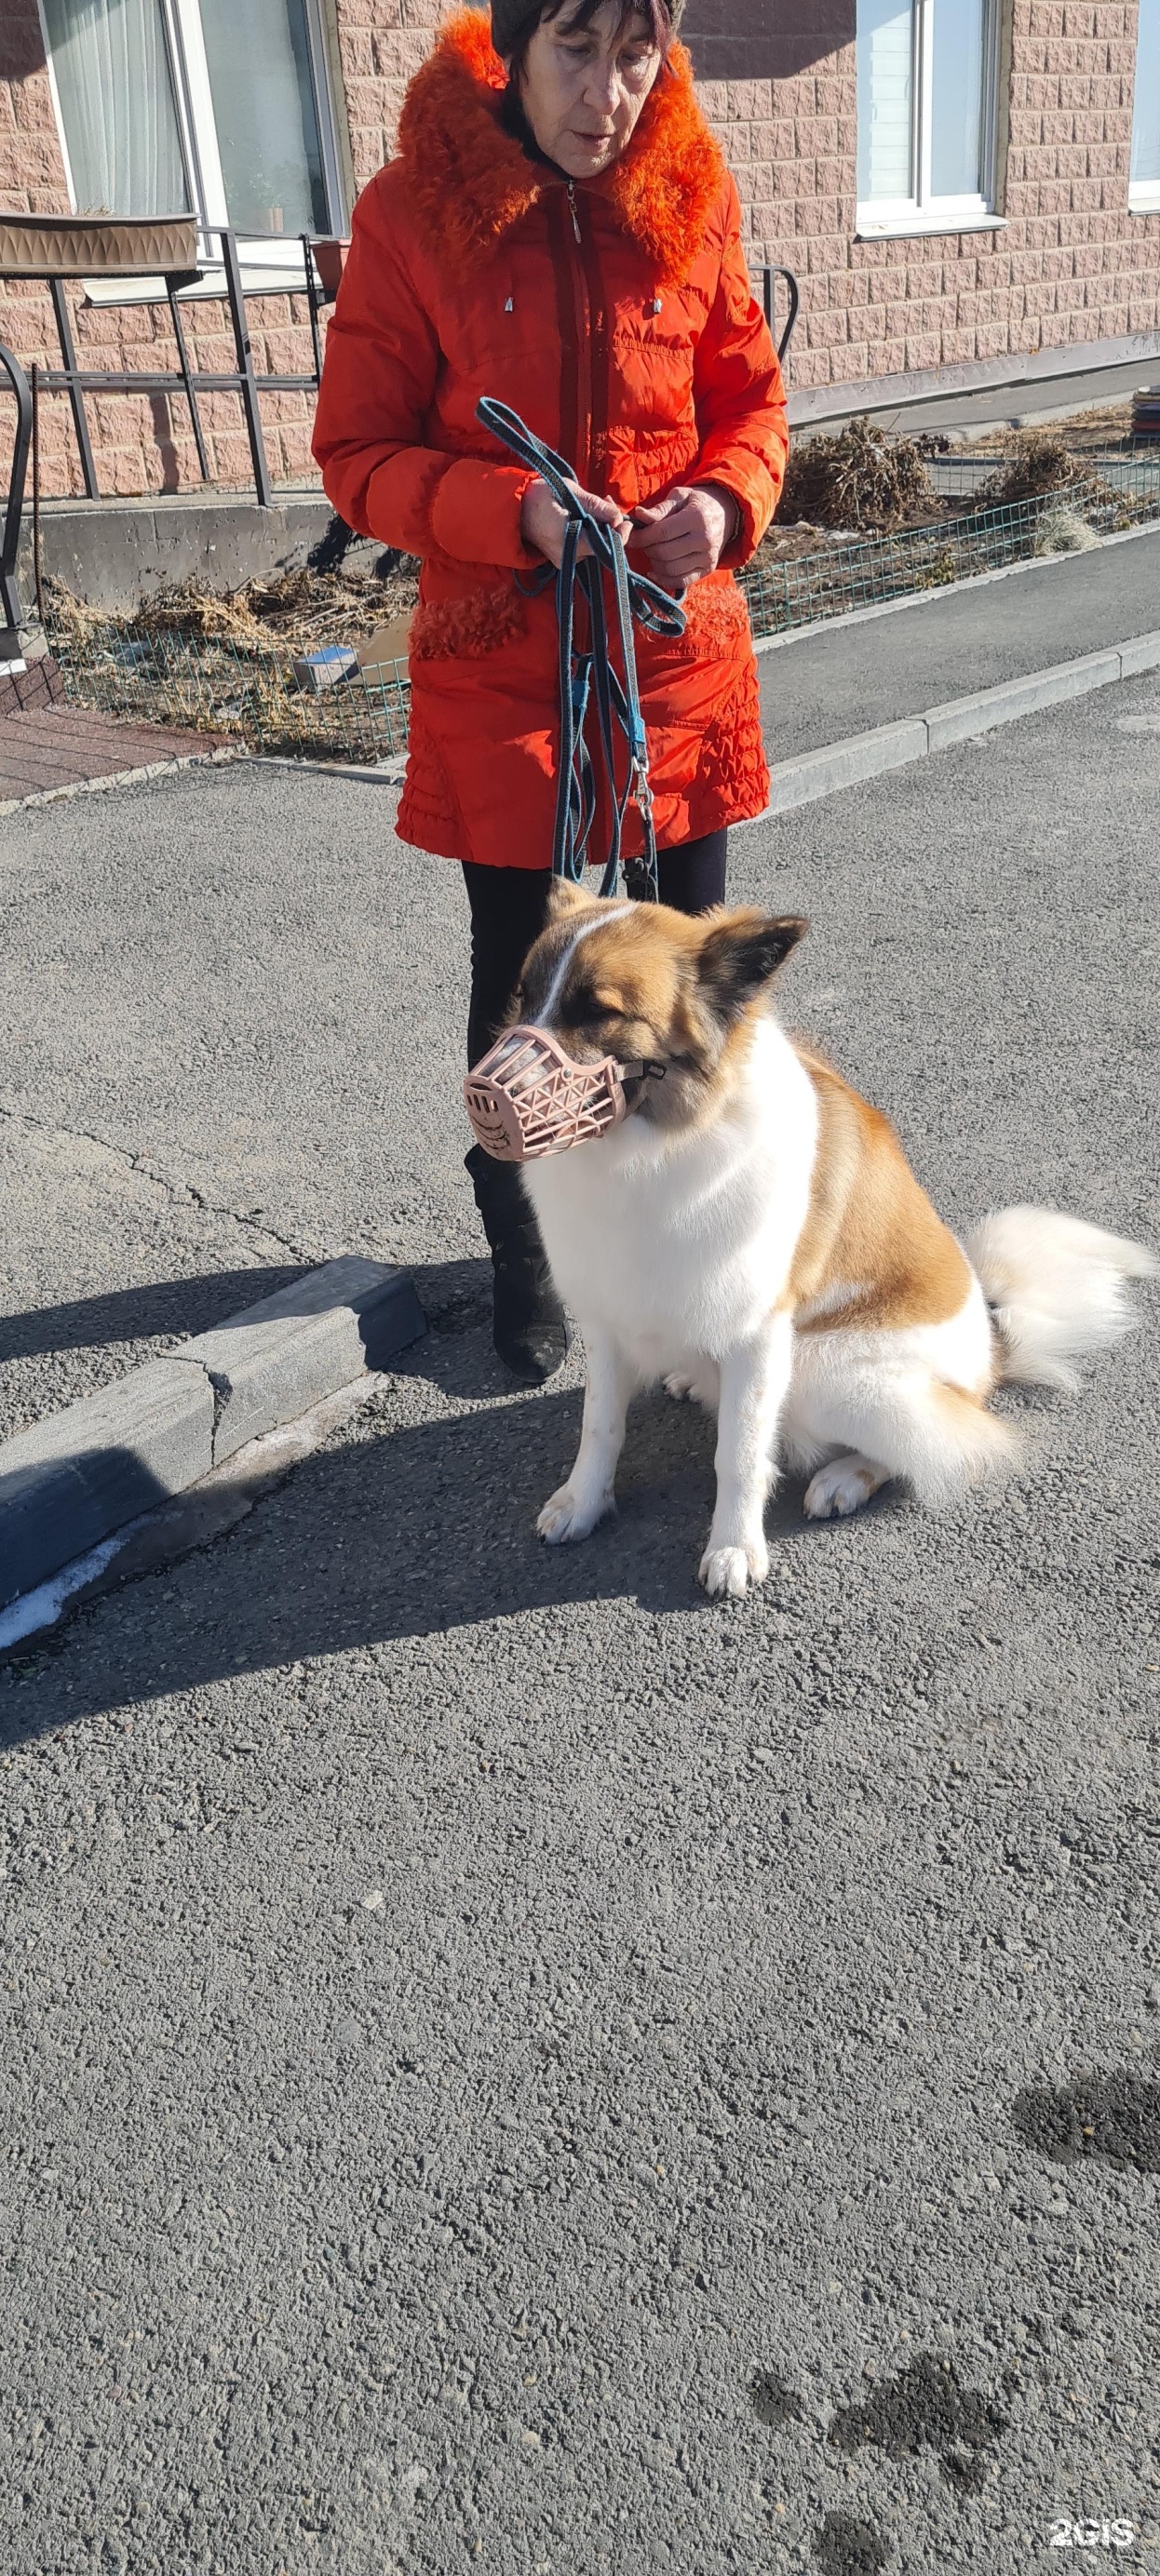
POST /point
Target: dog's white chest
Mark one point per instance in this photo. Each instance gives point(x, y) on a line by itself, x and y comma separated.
point(677, 1251)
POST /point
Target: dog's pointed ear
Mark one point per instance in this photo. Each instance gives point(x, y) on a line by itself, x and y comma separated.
point(740, 954)
point(565, 897)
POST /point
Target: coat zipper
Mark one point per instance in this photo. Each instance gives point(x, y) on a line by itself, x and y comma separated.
point(597, 346)
point(583, 323)
point(576, 353)
point(593, 329)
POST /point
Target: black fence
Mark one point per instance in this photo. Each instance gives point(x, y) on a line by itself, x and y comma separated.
point(183, 383)
point(76, 381)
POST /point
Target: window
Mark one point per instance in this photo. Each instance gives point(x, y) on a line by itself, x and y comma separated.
point(202, 107)
point(1144, 184)
point(926, 111)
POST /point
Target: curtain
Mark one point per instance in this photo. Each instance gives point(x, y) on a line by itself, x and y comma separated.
point(115, 88)
point(266, 115)
point(885, 100)
point(957, 89)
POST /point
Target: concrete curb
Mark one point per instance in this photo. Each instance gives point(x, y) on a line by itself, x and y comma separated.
point(74, 1479)
point(200, 1513)
point(389, 772)
point(273, 1361)
point(864, 756)
point(69, 1481)
point(845, 764)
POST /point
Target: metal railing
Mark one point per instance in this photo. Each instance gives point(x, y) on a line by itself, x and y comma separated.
point(186, 381)
point(769, 277)
point(1133, 469)
point(869, 571)
point(10, 538)
point(183, 382)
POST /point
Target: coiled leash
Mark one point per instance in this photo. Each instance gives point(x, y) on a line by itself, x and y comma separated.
point(592, 673)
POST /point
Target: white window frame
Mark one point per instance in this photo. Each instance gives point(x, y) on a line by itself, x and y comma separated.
point(924, 212)
point(1143, 194)
point(266, 260)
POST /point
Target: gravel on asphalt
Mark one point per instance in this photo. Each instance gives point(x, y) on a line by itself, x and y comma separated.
point(508, 2060)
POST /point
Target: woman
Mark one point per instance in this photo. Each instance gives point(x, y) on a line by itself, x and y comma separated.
point(559, 231)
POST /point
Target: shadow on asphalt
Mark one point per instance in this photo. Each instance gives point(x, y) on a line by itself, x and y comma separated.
point(189, 1305)
point(413, 1533)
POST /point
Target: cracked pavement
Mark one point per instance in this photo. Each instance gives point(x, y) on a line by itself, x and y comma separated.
point(143, 1259)
point(509, 2062)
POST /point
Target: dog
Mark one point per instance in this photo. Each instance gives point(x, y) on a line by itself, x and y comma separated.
point(752, 1234)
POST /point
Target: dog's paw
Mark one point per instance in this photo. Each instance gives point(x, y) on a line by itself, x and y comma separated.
point(570, 1515)
point(694, 1386)
point(842, 1487)
point(730, 1569)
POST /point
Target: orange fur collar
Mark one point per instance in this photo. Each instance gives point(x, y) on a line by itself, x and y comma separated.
point(469, 181)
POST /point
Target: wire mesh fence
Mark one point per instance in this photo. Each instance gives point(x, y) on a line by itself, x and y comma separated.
point(1135, 472)
point(218, 684)
point(868, 572)
point(249, 689)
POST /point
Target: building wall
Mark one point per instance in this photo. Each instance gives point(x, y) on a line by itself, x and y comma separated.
point(1071, 265)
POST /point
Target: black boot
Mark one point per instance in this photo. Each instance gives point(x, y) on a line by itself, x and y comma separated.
point(529, 1331)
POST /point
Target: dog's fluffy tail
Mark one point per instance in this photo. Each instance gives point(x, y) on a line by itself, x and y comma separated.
point(1055, 1288)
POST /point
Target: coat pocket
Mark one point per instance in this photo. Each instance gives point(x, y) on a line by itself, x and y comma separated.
point(716, 625)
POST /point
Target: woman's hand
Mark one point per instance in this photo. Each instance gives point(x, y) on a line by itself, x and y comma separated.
point(544, 525)
point(685, 535)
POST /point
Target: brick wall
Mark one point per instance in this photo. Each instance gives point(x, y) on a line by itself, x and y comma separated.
point(1072, 264)
point(381, 43)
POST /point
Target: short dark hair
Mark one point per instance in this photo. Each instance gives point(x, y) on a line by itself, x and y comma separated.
point(656, 13)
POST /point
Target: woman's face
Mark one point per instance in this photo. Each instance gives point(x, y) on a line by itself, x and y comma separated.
point(583, 88)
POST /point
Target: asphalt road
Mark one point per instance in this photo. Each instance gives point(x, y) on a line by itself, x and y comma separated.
point(506, 2060)
point(819, 687)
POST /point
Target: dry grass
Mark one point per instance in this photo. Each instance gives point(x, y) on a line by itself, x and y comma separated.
point(295, 610)
point(1061, 531)
point(329, 608)
point(1036, 462)
point(1083, 432)
point(786, 543)
point(1040, 464)
point(225, 665)
point(860, 477)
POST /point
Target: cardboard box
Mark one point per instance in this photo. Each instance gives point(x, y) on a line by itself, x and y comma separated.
point(385, 649)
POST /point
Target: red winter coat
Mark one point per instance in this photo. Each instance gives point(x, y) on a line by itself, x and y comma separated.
point(637, 352)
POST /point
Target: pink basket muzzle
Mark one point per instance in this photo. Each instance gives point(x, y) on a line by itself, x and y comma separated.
point(526, 1097)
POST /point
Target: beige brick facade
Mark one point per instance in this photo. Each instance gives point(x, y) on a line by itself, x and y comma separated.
point(1070, 265)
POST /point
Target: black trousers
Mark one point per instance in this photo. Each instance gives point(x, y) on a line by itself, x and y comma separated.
point(508, 908)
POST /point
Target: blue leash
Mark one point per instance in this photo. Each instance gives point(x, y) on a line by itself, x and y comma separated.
point(592, 673)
